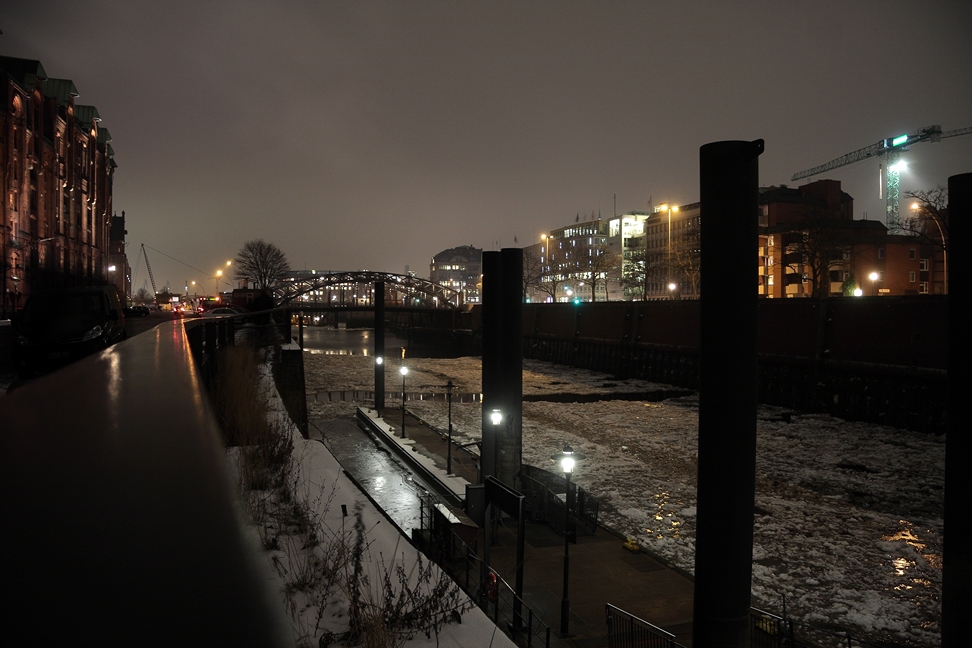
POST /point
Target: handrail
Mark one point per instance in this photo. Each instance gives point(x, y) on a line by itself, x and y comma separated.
point(120, 521)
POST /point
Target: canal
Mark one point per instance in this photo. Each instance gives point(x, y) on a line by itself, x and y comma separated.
point(382, 475)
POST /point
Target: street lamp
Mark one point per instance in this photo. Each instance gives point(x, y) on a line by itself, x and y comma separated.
point(874, 276)
point(670, 208)
point(379, 384)
point(404, 371)
point(449, 387)
point(934, 217)
point(567, 459)
point(219, 273)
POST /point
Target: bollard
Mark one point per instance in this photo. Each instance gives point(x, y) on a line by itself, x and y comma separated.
point(957, 559)
point(729, 184)
point(492, 357)
point(379, 349)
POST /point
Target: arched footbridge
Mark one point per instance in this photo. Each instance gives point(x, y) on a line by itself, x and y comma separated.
point(356, 289)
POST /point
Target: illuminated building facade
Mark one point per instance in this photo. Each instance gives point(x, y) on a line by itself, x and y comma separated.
point(461, 269)
point(811, 246)
point(56, 168)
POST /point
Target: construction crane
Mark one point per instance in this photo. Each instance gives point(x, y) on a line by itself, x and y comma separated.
point(891, 149)
point(155, 291)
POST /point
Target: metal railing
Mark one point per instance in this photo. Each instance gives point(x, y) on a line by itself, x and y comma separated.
point(544, 489)
point(116, 494)
point(628, 631)
point(483, 584)
point(770, 631)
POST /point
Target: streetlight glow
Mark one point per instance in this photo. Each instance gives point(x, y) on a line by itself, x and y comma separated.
point(496, 417)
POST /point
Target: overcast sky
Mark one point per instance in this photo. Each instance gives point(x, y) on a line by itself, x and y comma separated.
point(372, 135)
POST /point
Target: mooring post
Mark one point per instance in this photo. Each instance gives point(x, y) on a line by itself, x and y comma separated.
point(729, 185)
point(379, 347)
point(492, 368)
point(510, 446)
point(957, 537)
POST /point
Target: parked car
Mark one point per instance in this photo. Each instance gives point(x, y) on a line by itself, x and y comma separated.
point(137, 310)
point(60, 326)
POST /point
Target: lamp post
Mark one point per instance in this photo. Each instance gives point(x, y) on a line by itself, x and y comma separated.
point(219, 273)
point(934, 218)
point(404, 372)
point(670, 208)
point(567, 459)
point(874, 276)
point(449, 388)
point(379, 384)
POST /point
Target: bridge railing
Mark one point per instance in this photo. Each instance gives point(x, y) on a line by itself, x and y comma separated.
point(119, 515)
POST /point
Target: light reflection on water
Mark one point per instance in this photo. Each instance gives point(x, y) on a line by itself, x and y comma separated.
point(328, 341)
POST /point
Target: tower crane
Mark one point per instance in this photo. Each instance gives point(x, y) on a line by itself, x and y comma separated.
point(155, 291)
point(891, 149)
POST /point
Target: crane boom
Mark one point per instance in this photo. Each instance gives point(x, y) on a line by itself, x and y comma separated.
point(933, 133)
point(891, 148)
point(155, 291)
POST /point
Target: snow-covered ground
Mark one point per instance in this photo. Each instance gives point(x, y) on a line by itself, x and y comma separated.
point(849, 515)
point(311, 565)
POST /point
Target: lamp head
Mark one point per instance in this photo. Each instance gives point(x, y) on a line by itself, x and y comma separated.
point(496, 417)
point(404, 371)
point(379, 360)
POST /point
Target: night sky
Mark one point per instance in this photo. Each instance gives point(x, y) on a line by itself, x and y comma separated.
point(372, 135)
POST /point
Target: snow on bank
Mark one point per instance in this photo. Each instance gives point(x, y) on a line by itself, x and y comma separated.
point(848, 524)
point(322, 486)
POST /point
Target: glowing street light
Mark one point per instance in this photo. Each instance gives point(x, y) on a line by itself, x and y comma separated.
point(670, 208)
point(567, 460)
point(404, 372)
point(874, 276)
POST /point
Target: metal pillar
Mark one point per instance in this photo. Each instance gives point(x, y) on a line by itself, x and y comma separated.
point(510, 446)
point(729, 182)
point(957, 569)
point(379, 347)
point(492, 364)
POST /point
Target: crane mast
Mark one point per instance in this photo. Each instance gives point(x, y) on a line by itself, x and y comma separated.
point(890, 148)
point(155, 291)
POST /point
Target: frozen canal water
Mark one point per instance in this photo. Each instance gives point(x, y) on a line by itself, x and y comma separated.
point(848, 526)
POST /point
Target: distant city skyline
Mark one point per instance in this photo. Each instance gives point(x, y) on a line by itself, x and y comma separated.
point(373, 135)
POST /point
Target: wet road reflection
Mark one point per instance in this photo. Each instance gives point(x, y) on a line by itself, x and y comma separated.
point(381, 474)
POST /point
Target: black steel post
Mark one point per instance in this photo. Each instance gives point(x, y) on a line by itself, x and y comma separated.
point(957, 560)
point(379, 347)
point(565, 601)
point(729, 183)
point(491, 363)
point(403, 404)
point(509, 448)
point(449, 388)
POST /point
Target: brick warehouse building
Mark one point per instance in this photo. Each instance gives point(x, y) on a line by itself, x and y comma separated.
point(810, 245)
point(56, 167)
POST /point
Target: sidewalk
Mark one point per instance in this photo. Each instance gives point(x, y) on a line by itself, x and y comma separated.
point(601, 570)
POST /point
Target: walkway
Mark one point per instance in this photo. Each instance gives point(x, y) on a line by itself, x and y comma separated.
point(601, 570)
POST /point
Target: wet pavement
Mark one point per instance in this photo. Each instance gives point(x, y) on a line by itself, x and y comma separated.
point(602, 570)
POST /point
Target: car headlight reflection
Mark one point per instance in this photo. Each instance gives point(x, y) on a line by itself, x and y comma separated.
point(92, 334)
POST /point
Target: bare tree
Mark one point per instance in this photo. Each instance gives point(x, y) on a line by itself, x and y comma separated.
point(532, 271)
point(640, 270)
point(605, 264)
point(929, 216)
point(260, 262)
point(686, 259)
point(816, 243)
point(143, 295)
